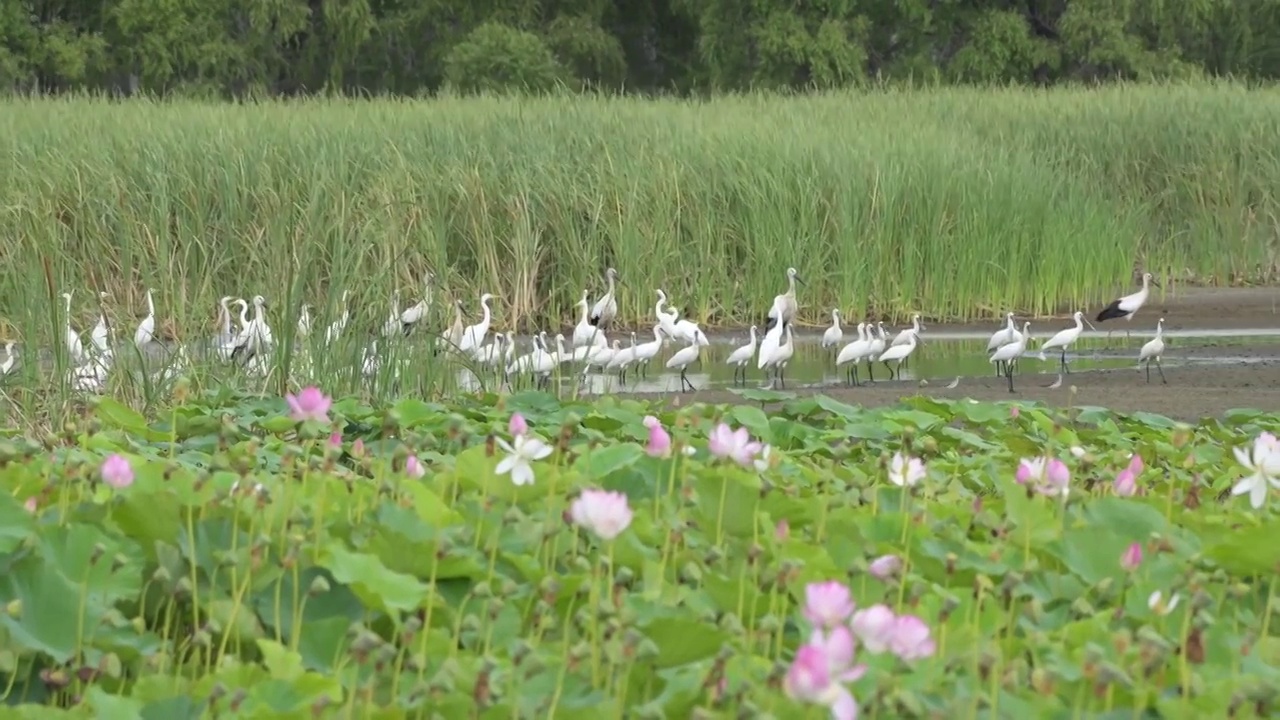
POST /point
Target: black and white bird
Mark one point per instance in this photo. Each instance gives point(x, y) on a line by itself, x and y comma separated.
point(606, 308)
point(1128, 305)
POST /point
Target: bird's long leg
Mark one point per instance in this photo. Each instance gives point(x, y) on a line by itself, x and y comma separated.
point(853, 370)
point(1159, 368)
point(871, 375)
point(1009, 375)
point(999, 368)
point(892, 374)
point(1148, 371)
point(782, 378)
point(1065, 369)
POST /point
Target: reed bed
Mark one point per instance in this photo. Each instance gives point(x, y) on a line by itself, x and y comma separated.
point(958, 203)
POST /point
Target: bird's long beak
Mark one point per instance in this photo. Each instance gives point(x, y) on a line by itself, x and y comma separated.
point(1091, 327)
point(802, 282)
point(1155, 282)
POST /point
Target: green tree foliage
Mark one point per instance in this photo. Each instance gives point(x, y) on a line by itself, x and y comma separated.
point(240, 48)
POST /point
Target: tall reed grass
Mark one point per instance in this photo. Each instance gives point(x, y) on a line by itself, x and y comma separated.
point(958, 203)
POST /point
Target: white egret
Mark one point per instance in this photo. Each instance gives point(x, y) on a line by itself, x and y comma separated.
point(393, 324)
point(741, 356)
point(410, 317)
point(681, 360)
point(147, 328)
point(74, 346)
point(1010, 352)
point(224, 340)
point(262, 331)
point(490, 354)
point(649, 350)
point(9, 358)
point(899, 353)
point(1064, 339)
point(1128, 305)
point(774, 354)
point(833, 334)
point(784, 305)
point(622, 359)
point(473, 336)
point(304, 321)
point(334, 330)
point(101, 335)
point(854, 352)
point(606, 308)
point(584, 333)
point(1003, 336)
point(1152, 351)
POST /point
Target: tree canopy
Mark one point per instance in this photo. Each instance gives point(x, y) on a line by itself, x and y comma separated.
point(246, 48)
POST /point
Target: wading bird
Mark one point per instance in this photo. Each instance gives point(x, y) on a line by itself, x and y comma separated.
point(1010, 353)
point(1128, 305)
point(410, 317)
point(740, 357)
point(101, 335)
point(784, 305)
point(473, 336)
point(899, 353)
point(146, 331)
point(74, 346)
point(1153, 350)
point(877, 348)
point(913, 331)
point(1003, 336)
point(9, 358)
point(647, 351)
point(1063, 339)
point(775, 354)
point(833, 334)
point(606, 308)
point(854, 352)
point(682, 360)
point(584, 333)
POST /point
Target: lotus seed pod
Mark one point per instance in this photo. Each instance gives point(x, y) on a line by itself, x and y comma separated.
point(319, 586)
point(482, 589)
point(471, 623)
point(691, 573)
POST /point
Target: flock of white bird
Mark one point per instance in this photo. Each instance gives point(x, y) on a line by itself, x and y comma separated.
point(252, 343)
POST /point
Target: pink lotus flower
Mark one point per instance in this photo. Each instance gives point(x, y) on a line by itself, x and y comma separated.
point(335, 440)
point(875, 627)
point(736, 445)
point(309, 404)
point(1136, 466)
point(413, 468)
point(1132, 557)
point(827, 604)
point(1125, 484)
point(819, 671)
point(30, 505)
point(1048, 476)
point(517, 426)
point(911, 639)
point(116, 472)
point(357, 448)
point(885, 566)
point(602, 512)
point(659, 441)
point(782, 530)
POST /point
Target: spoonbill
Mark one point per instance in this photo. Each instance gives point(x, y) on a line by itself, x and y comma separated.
point(147, 328)
point(1003, 336)
point(774, 354)
point(682, 360)
point(1064, 339)
point(784, 305)
point(74, 346)
point(901, 337)
point(853, 353)
point(1128, 305)
point(1010, 352)
point(1153, 350)
point(740, 357)
point(584, 333)
point(833, 334)
point(899, 353)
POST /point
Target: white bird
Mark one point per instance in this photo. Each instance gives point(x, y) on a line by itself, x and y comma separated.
point(410, 317)
point(954, 383)
point(1128, 305)
point(913, 331)
point(1010, 352)
point(833, 334)
point(1064, 339)
point(304, 321)
point(681, 360)
point(878, 343)
point(102, 331)
point(147, 328)
point(1003, 336)
point(854, 352)
point(393, 324)
point(622, 358)
point(334, 331)
point(606, 308)
point(262, 331)
point(1152, 351)
point(452, 337)
point(224, 341)
point(741, 356)
point(491, 354)
point(74, 346)
point(899, 353)
point(647, 351)
point(9, 360)
point(676, 329)
point(473, 336)
point(584, 333)
point(544, 363)
point(774, 354)
point(784, 305)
